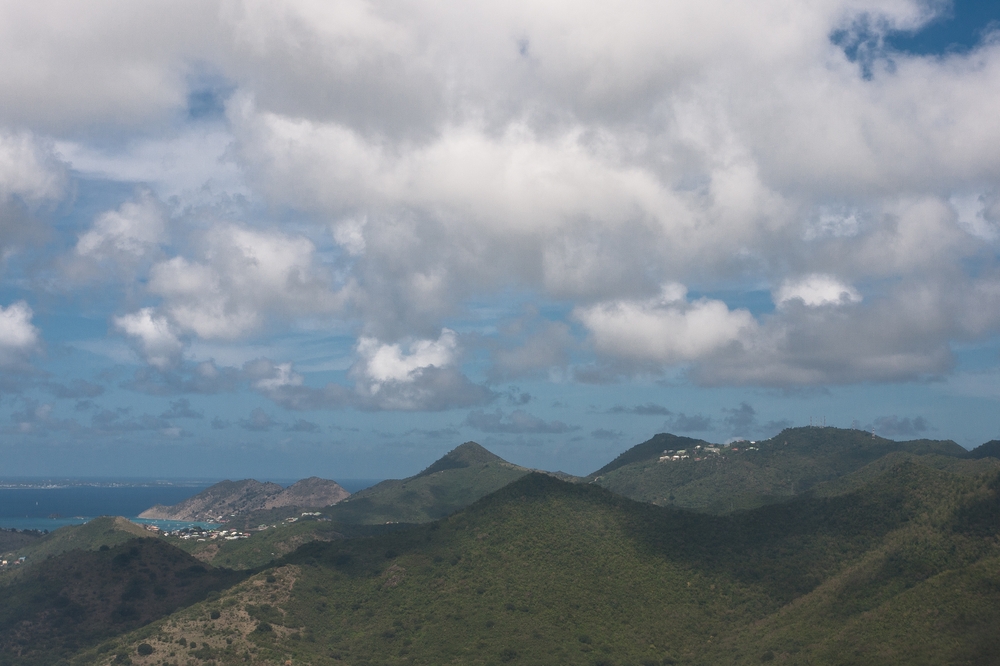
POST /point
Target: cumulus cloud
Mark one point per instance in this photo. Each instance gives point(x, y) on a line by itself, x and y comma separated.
point(241, 276)
point(588, 158)
point(28, 169)
point(668, 329)
point(154, 335)
point(816, 290)
point(421, 375)
point(121, 239)
point(18, 336)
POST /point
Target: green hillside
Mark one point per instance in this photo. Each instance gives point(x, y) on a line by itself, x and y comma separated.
point(990, 449)
point(453, 482)
point(747, 475)
point(547, 572)
point(69, 601)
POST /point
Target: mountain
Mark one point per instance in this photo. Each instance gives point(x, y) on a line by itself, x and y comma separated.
point(234, 498)
point(453, 482)
point(70, 601)
point(716, 479)
point(311, 492)
point(901, 569)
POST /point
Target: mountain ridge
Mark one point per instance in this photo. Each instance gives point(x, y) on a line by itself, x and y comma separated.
point(227, 499)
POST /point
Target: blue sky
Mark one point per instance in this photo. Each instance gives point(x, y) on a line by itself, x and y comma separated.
point(283, 239)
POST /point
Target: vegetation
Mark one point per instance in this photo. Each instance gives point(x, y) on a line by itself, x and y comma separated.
point(745, 475)
point(76, 599)
point(12, 541)
point(546, 572)
point(459, 478)
point(879, 557)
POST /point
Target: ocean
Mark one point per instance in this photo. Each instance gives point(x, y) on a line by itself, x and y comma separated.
point(36, 505)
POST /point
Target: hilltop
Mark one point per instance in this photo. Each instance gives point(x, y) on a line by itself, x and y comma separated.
point(104, 531)
point(707, 477)
point(234, 498)
point(454, 481)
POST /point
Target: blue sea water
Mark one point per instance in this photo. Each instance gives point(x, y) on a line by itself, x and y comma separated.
point(73, 503)
point(52, 507)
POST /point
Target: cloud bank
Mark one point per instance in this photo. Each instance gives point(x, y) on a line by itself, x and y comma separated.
point(386, 170)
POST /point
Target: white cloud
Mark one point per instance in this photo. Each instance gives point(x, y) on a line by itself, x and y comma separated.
point(67, 66)
point(18, 337)
point(156, 337)
point(974, 216)
point(423, 377)
point(28, 169)
point(668, 329)
point(384, 363)
point(581, 153)
point(816, 290)
point(241, 277)
point(127, 234)
point(280, 375)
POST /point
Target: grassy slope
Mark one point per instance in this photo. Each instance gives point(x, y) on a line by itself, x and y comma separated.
point(546, 572)
point(929, 594)
point(14, 541)
point(784, 466)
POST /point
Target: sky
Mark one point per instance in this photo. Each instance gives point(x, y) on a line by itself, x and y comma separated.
point(339, 237)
